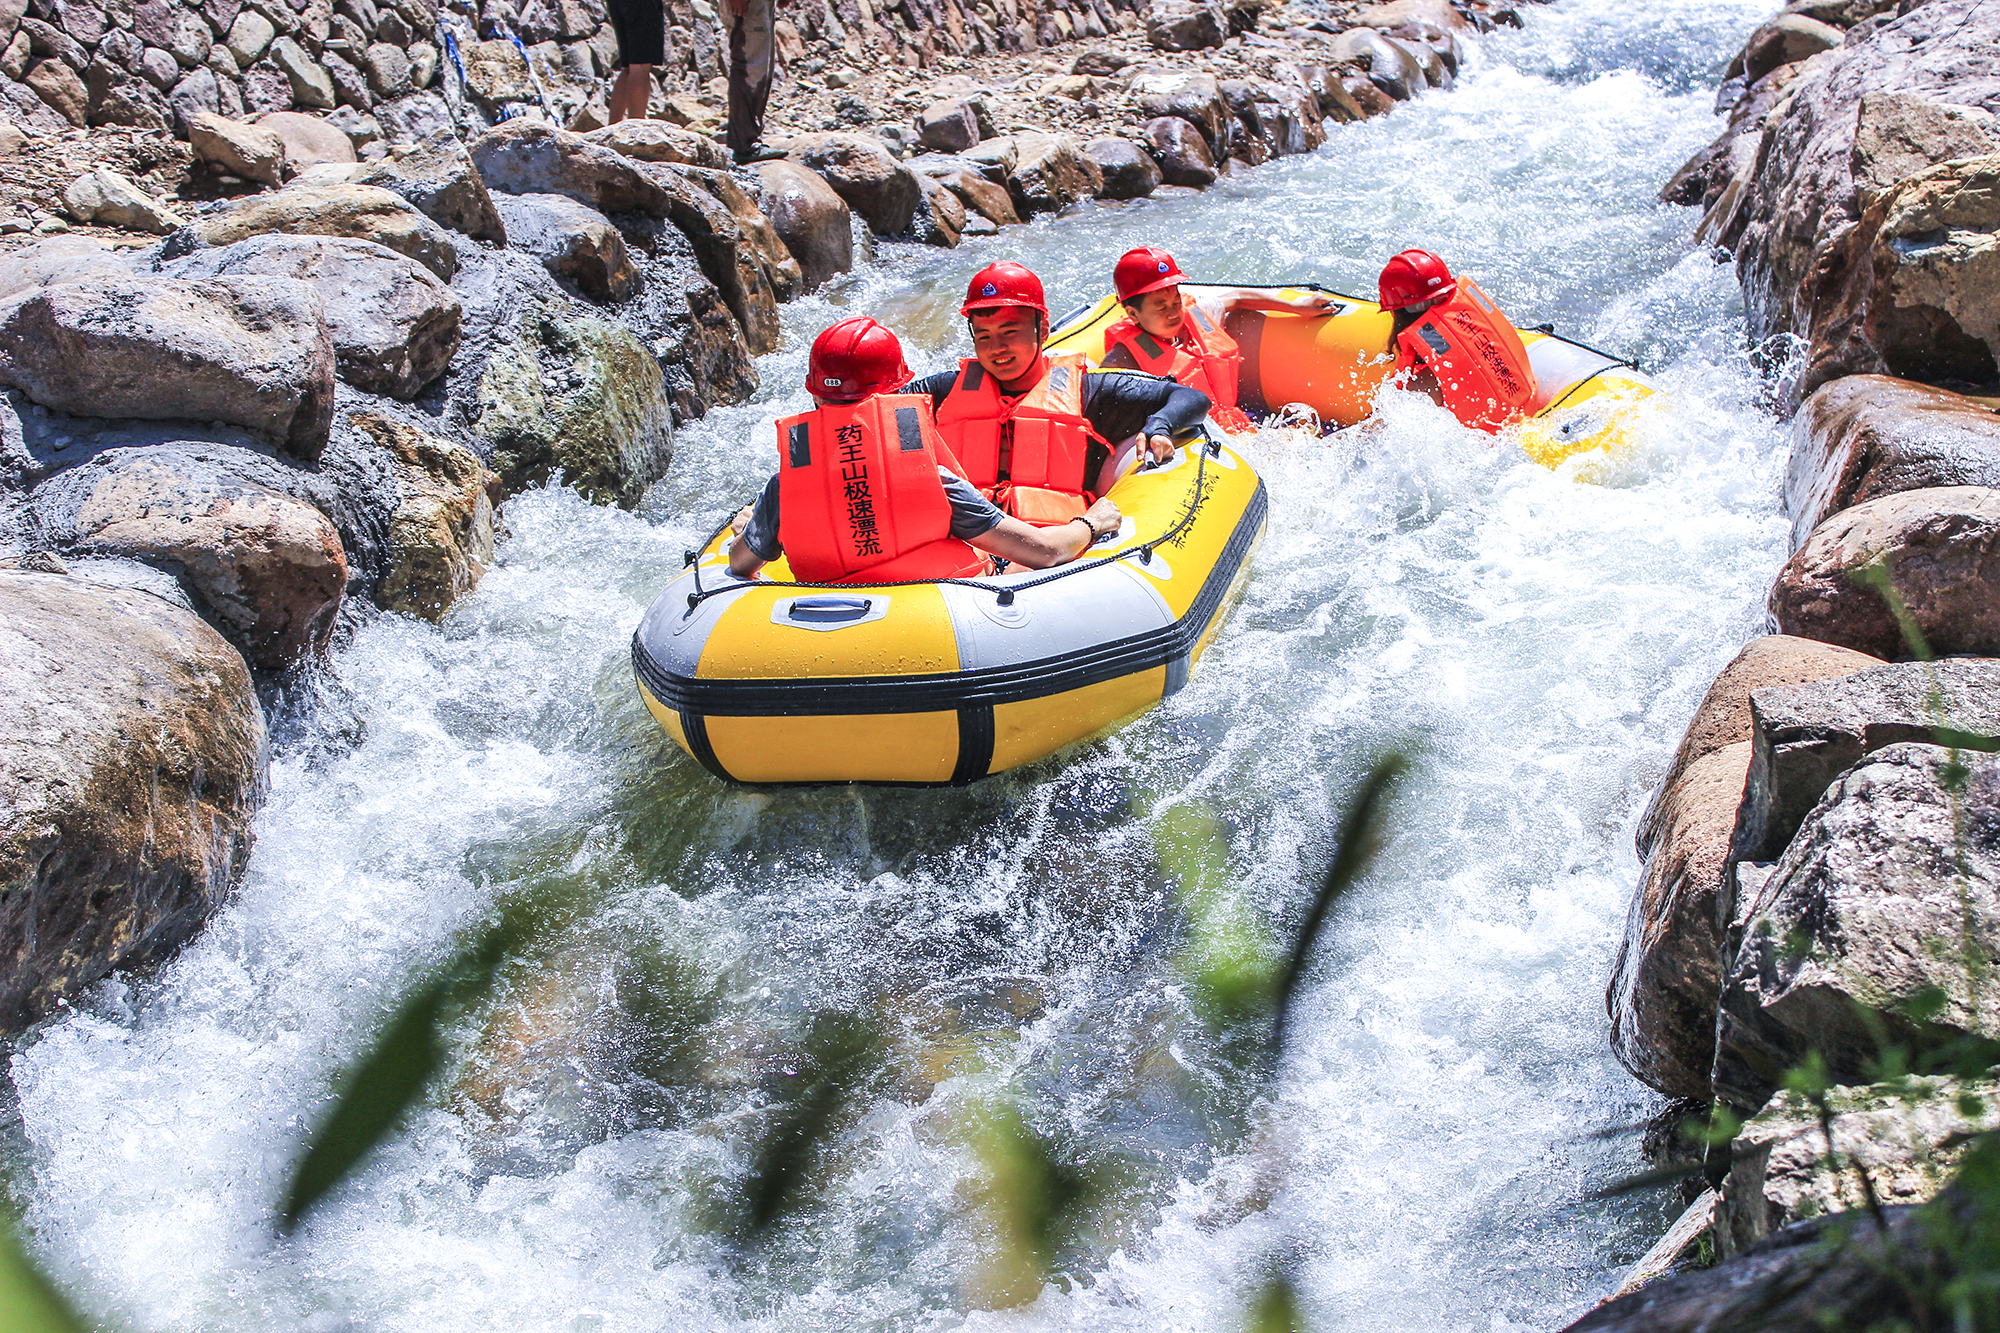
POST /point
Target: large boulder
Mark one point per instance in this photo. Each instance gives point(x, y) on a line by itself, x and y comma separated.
point(1806, 735)
point(1908, 1136)
point(940, 219)
point(864, 173)
point(1181, 152)
point(1390, 65)
point(251, 152)
point(948, 126)
point(528, 156)
point(364, 212)
point(59, 259)
point(309, 141)
point(1898, 134)
point(1050, 173)
point(1731, 159)
point(1888, 899)
point(254, 352)
point(1128, 171)
point(1665, 977)
point(1940, 547)
point(394, 325)
point(1865, 436)
point(265, 569)
point(1800, 200)
point(575, 242)
point(1195, 98)
point(1185, 25)
point(577, 397)
point(1913, 289)
point(1785, 40)
point(982, 196)
point(437, 177)
point(440, 533)
point(811, 218)
point(132, 759)
point(657, 141)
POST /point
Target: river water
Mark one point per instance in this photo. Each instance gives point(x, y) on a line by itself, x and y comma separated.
point(1448, 1101)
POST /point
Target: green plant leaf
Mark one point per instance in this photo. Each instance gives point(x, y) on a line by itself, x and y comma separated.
point(1276, 1309)
point(393, 1075)
point(841, 1054)
point(29, 1302)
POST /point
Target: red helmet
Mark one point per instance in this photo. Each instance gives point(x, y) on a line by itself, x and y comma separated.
point(1004, 284)
point(1146, 269)
point(853, 359)
point(1413, 276)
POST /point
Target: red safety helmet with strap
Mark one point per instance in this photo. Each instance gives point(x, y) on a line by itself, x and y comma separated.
point(1029, 452)
point(859, 495)
point(1476, 356)
point(1146, 269)
point(1413, 276)
point(1005, 284)
point(1203, 357)
point(853, 359)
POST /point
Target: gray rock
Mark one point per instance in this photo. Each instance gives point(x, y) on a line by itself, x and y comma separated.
point(364, 212)
point(249, 37)
point(574, 242)
point(1185, 25)
point(311, 86)
point(875, 185)
point(413, 119)
point(439, 539)
point(1868, 912)
point(497, 75)
point(1181, 152)
point(1195, 98)
point(59, 259)
point(438, 178)
point(1941, 548)
point(252, 152)
point(1786, 39)
point(394, 325)
point(109, 199)
point(1806, 735)
point(132, 759)
point(253, 352)
point(266, 570)
point(1050, 173)
point(657, 141)
point(811, 218)
point(994, 158)
point(1865, 436)
point(388, 69)
point(940, 219)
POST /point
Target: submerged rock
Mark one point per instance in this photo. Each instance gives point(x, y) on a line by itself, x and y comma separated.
point(1889, 894)
point(1941, 549)
point(131, 762)
point(440, 535)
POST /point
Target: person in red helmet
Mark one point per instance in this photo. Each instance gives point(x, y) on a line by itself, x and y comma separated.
point(1165, 332)
point(1454, 344)
point(1037, 432)
point(866, 491)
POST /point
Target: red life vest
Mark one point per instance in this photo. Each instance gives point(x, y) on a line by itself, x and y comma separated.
point(1204, 357)
point(1038, 440)
point(1476, 355)
point(859, 496)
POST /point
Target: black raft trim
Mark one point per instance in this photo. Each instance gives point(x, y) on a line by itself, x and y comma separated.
point(975, 745)
point(956, 691)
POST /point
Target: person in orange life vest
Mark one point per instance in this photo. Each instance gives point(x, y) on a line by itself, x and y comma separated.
point(1167, 333)
point(865, 491)
point(1038, 431)
point(1454, 343)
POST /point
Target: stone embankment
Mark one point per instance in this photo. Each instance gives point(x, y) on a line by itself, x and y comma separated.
point(1822, 857)
point(301, 290)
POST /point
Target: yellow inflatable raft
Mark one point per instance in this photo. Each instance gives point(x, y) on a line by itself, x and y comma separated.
point(771, 681)
point(1336, 363)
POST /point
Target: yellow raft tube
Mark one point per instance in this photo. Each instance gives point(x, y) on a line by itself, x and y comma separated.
point(947, 682)
point(1337, 362)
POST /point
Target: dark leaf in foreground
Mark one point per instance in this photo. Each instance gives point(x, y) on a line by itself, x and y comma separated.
point(841, 1054)
point(1646, 1180)
point(1037, 1200)
point(1276, 1309)
point(1360, 835)
point(393, 1074)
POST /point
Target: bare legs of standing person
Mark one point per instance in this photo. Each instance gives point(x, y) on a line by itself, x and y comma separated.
point(631, 93)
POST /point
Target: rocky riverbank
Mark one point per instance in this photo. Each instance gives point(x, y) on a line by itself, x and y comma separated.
point(299, 292)
point(1822, 858)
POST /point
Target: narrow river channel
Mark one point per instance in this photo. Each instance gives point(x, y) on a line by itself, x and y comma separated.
point(1449, 1101)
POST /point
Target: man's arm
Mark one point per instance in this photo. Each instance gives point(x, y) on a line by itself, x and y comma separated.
point(756, 541)
point(1121, 403)
point(937, 386)
point(1039, 548)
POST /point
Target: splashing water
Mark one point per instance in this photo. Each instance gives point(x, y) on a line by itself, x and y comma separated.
point(1425, 1158)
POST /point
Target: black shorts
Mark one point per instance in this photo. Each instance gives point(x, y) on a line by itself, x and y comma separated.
point(641, 26)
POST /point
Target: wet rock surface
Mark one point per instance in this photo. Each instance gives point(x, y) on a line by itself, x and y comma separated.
point(133, 750)
point(362, 212)
point(810, 217)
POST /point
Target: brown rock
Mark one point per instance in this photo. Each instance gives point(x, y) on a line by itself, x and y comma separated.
point(657, 141)
point(1196, 98)
point(253, 152)
point(814, 222)
point(441, 533)
point(982, 196)
point(1866, 436)
point(1185, 25)
point(1050, 173)
point(864, 173)
point(265, 569)
point(308, 140)
point(132, 759)
point(364, 212)
point(1941, 547)
point(1723, 716)
point(949, 126)
point(1181, 152)
point(1369, 100)
point(57, 84)
point(1667, 974)
point(940, 219)
point(1897, 135)
point(252, 352)
point(1784, 40)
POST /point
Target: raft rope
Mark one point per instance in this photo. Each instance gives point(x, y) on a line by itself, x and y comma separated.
point(1208, 447)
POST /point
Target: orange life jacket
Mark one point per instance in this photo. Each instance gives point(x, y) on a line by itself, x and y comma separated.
point(1205, 357)
point(1476, 355)
point(859, 496)
point(1038, 442)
